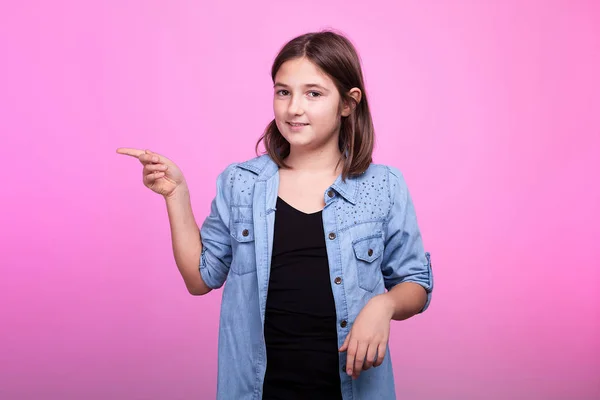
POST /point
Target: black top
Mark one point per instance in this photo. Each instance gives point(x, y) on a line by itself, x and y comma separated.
point(300, 318)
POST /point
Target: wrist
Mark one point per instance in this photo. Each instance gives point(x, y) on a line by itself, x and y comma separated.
point(387, 303)
point(181, 192)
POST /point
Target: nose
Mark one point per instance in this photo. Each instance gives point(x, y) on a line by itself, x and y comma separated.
point(295, 106)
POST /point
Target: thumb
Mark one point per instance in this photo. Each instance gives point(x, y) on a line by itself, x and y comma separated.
point(161, 159)
point(153, 153)
point(345, 345)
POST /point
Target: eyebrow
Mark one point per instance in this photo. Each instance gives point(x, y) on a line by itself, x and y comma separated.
point(308, 85)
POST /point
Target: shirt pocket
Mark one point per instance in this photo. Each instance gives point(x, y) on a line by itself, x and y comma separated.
point(368, 251)
point(243, 252)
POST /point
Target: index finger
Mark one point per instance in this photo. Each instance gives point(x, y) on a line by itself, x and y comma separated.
point(351, 353)
point(130, 152)
point(359, 358)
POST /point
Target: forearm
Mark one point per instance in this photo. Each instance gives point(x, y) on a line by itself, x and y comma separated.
point(185, 238)
point(404, 300)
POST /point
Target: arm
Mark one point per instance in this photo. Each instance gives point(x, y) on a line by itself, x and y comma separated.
point(203, 256)
point(406, 267)
point(404, 300)
point(185, 238)
point(208, 250)
point(406, 270)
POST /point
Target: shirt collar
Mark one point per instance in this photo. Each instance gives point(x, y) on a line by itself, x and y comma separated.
point(265, 168)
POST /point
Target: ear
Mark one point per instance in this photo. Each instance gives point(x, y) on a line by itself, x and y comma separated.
point(349, 106)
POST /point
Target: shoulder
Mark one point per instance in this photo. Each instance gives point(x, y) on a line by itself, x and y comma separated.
point(254, 166)
point(240, 177)
point(387, 177)
point(382, 172)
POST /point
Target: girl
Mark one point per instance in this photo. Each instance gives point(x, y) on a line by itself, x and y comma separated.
point(319, 246)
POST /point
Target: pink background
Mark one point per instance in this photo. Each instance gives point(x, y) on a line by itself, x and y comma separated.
point(491, 110)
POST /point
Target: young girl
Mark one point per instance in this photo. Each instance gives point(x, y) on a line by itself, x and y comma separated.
point(320, 247)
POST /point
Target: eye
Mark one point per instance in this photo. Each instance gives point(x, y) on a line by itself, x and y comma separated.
point(314, 94)
point(282, 92)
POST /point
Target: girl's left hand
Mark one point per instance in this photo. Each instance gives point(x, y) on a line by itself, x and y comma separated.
point(367, 341)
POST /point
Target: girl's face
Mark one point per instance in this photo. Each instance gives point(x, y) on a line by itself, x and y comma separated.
point(306, 105)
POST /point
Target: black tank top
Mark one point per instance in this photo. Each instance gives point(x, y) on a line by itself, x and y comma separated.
point(300, 318)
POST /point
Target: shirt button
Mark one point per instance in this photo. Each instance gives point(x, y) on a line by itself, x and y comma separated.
point(337, 280)
point(245, 232)
point(330, 193)
point(370, 252)
point(344, 323)
point(332, 236)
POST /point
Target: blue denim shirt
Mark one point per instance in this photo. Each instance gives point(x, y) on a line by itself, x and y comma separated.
point(373, 243)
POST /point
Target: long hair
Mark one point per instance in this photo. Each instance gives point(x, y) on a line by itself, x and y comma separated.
point(335, 55)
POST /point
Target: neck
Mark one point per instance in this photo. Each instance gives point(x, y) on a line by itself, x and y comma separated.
point(319, 160)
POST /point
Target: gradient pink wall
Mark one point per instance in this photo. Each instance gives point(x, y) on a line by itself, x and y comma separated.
point(490, 108)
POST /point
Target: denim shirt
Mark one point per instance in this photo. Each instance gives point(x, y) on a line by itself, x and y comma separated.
point(373, 242)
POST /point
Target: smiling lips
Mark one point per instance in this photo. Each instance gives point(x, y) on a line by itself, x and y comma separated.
point(296, 126)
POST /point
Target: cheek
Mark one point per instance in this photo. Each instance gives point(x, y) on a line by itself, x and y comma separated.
point(326, 116)
point(279, 114)
point(277, 108)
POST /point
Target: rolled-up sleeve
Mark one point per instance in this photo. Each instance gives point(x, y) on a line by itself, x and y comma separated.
point(216, 254)
point(404, 258)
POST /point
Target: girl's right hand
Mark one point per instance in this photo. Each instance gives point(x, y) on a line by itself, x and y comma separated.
point(159, 174)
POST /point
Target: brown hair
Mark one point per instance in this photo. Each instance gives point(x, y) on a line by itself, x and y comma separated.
point(336, 56)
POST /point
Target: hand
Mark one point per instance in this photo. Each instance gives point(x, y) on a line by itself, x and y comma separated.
point(367, 341)
point(159, 174)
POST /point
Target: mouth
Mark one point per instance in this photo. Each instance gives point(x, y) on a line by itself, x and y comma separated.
point(296, 124)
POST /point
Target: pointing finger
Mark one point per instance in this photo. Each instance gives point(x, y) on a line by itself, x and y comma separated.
point(130, 152)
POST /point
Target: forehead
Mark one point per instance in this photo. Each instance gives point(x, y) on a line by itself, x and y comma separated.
point(301, 71)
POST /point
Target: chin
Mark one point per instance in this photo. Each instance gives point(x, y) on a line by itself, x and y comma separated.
point(297, 138)
point(298, 142)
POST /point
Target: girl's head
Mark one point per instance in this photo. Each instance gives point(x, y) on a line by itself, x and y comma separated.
point(318, 83)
